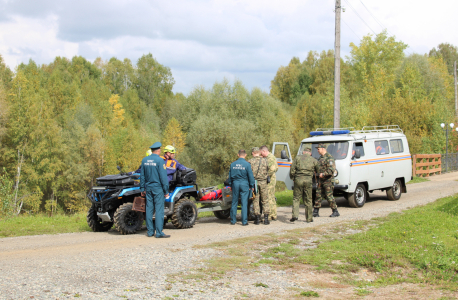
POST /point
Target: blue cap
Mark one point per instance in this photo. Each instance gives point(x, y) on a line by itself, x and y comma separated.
point(156, 145)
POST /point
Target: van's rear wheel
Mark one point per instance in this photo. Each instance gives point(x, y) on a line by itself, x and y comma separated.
point(359, 197)
point(394, 192)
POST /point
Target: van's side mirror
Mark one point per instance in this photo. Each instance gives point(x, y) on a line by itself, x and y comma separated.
point(357, 153)
point(118, 167)
point(283, 155)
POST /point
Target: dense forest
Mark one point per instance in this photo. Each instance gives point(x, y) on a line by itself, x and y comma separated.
point(68, 122)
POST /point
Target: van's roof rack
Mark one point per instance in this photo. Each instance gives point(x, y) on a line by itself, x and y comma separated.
point(377, 129)
point(336, 129)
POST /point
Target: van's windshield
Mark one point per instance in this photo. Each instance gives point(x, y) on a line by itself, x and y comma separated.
point(339, 150)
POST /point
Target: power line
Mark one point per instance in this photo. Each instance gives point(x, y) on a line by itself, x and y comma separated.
point(359, 16)
point(351, 29)
point(380, 23)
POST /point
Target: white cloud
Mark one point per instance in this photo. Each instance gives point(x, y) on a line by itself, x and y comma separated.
point(22, 39)
point(205, 41)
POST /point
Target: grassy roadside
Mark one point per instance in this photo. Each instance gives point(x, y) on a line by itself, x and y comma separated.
point(43, 224)
point(417, 246)
point(417, 179)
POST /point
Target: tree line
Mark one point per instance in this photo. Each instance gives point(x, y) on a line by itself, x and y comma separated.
point(66, 123)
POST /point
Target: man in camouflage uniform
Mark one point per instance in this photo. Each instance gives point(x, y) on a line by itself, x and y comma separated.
point(259, 168)
point(301, 172)
point(272, 170)
point(325, 187)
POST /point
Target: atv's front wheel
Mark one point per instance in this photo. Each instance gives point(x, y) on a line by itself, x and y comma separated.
point(127, 220)
point(96, 224)
point(184, 213)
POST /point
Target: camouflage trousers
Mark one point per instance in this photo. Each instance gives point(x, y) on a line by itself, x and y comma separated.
point(271, 197)
point(261, 198)
point(303, 190)
point(325, 191)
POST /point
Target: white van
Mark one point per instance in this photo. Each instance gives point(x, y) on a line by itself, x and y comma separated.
point(374, 158)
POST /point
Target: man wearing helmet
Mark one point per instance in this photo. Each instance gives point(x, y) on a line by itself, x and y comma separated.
point(171, 163)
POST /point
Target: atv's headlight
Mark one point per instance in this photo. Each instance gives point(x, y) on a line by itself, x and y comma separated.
point(336, 173)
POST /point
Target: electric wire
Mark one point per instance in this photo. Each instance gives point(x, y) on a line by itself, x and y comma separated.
point(376, 20)
point(354, 10)
point(351, 29)
point(380, 23)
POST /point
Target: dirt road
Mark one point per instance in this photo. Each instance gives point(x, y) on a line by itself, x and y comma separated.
point(110, 265)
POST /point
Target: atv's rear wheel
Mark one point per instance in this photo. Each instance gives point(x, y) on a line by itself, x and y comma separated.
point(222, 214)
point(184, 213)
point(127, 220)
point(96, 224)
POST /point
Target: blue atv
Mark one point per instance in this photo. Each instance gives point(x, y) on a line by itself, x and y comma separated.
point(113, 197)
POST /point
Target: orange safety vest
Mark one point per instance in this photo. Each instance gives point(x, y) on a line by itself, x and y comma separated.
point(169, 163)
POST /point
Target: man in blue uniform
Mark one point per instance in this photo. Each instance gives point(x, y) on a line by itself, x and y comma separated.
point(154, 184)
point(241, 180)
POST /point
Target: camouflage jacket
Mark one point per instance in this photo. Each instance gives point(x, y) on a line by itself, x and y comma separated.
point(303, 165)
point(259, 168)
point(327, 166)
point(272, 165)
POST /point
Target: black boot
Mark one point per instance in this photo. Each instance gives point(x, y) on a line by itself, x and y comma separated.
point(293, 219)
point(266, 219)
point(257, 220)
point(335, 213)
point(316, 212)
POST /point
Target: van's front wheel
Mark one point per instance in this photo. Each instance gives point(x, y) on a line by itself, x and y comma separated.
point(359, 197)
point(394, 192)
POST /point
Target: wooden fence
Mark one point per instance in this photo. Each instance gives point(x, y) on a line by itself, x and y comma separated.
point(426, 164)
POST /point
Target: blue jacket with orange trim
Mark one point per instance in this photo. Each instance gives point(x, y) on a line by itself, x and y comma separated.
point(172, 165)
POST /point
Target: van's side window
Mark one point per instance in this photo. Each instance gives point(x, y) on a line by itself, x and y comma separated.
point(396, 146)
point(381, 147)
point(358, 146)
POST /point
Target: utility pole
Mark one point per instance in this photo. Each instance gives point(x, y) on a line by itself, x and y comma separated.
point(456, 100)
point(337, 68)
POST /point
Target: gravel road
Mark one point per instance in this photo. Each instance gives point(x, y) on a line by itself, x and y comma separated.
point(113, 266)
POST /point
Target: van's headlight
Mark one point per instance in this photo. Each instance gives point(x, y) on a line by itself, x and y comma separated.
point(336, 173)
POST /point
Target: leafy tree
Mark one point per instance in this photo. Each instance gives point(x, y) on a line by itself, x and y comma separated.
point(3, 113)
point(173, 135)
point(228, 118)
point(6, 75)
point(381, 55)
point(154, 82)
point(449, 54)
point(282, 85)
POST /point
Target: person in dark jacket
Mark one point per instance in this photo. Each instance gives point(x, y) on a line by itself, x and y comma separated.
point(241, 180)
point(154, 184)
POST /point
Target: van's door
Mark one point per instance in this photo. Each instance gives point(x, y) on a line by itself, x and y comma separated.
point(284, 161)
point(358, 166)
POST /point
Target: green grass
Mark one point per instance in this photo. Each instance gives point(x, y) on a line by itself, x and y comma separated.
point(284, 198)
point(309, 294)
point(260, 284)
point(416, 179)
point(419, 246)
point(42, 224)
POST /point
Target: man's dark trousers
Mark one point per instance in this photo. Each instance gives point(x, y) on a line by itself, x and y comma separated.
point(155, 203)
point(240, 189)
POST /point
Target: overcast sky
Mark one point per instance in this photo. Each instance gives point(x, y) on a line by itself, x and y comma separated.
point(205, 41)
